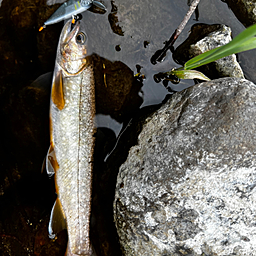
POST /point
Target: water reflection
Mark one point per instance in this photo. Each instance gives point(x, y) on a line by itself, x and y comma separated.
point(116, 88)
point(107, 122)
point(129, 24)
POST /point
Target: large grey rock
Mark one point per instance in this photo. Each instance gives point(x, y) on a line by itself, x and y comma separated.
point(188, 186)
point(227, 66)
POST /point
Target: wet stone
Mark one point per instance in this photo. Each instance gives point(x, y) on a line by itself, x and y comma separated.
point(27, 54)
point(193, 175)
point(227, 66)
point(245, 11)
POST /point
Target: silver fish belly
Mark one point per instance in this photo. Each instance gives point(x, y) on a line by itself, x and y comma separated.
point(72, 112)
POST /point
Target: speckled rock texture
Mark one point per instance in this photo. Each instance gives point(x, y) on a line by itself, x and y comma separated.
point(188, 186)
point(227, 66)
point(245, 10)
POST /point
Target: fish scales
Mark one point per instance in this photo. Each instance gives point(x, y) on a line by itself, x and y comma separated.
point(72, 129)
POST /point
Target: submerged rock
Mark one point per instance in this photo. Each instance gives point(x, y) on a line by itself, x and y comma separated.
point(188, 186)
point(245, 10)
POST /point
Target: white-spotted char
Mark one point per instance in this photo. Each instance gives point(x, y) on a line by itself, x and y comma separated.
point(72, 128)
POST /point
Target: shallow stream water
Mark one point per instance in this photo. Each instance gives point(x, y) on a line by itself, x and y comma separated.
point(145, 26)
point(152, 22)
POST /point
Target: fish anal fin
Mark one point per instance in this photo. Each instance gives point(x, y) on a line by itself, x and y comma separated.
point(57, 220)
point(57, 90)
point(51, 162)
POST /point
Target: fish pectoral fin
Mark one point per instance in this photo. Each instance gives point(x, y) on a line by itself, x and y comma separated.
point(51, 162)
point(57, 219)
point(57, 94)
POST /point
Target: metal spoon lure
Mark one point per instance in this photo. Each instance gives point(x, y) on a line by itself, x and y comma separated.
point(71, 8)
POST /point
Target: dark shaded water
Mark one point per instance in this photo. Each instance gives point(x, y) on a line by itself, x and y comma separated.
point(129, 32)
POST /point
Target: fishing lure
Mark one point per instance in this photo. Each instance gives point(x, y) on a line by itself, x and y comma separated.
point(71, 8)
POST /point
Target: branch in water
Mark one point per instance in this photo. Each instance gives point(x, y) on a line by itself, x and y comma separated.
point(160, 54)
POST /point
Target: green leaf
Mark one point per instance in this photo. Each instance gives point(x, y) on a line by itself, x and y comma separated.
point(188, 74)
point(243, 42)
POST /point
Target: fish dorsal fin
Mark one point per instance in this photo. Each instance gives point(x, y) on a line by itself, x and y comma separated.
point(57, 219)
point(51, 162)
point(57, 90)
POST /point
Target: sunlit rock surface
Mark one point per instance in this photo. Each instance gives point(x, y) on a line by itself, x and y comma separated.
point(188, 186)
point(227, 66)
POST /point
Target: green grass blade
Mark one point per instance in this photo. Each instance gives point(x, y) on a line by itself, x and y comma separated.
point(215, 54)
point(200, 60)
point(189, 74)
point(246, 46)
point(243, 42)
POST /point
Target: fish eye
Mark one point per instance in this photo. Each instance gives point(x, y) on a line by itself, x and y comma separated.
point(81, 38)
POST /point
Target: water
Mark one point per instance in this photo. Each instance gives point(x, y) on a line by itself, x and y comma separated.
point(152, 22)
point(145, 26)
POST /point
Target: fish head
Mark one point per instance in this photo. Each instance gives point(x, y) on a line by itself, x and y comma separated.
point(73, 47)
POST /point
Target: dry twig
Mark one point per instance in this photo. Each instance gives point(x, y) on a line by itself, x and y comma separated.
point(159, 55)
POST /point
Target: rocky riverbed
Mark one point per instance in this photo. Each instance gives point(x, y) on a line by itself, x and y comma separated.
point(187, 186)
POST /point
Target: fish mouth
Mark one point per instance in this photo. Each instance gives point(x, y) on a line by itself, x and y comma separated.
point(73, 56)
point(72, 29)
point(70, 51)
point(69, 31)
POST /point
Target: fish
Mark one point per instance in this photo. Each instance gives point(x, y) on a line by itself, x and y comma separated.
point(72, 130)
point(69, 9)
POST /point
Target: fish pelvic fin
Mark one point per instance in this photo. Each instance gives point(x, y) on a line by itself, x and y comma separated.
point(51, 162)
point(57, 220)
point(57, 94)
